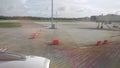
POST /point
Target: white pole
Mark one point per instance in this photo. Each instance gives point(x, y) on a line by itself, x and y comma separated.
point(52, 11)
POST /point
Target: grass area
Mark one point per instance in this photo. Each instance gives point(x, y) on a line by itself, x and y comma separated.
point(9, 24)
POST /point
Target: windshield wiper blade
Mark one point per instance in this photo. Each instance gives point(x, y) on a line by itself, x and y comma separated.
point(5, 56)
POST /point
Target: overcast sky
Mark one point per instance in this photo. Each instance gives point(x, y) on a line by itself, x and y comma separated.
point(62, 8)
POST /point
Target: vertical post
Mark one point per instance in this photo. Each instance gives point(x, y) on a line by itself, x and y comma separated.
point(102, 25)
point(52, 24)
point(98, 25)
point(51, 11)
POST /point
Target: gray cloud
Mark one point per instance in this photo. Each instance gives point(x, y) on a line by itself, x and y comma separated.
point(64, 8)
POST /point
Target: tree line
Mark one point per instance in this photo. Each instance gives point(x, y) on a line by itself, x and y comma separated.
point(29, 17)
point(36, 18)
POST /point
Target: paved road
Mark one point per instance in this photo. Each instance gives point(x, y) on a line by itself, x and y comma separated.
point(96, 57)
point(81, 33)
point(65, 55)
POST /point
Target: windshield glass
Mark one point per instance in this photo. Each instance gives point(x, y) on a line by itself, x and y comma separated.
point(71, 33)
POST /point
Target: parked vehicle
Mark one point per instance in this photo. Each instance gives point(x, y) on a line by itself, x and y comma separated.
point(13, 60)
